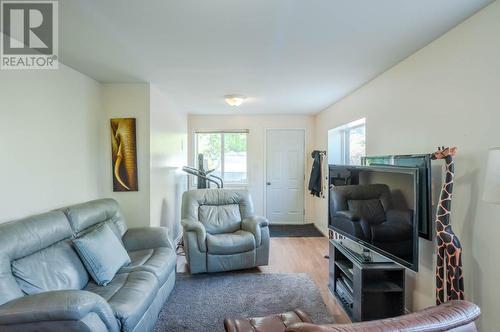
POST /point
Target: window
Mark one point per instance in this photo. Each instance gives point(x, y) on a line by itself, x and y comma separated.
point(226, 152)
point(346, 144)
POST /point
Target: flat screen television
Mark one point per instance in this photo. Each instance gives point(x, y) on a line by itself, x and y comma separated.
point(423, 163)
point(377, 207)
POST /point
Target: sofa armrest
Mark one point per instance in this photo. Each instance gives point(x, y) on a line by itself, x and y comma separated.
point(191, 225)
point(448, 316)
point(351, 215)
point(253, 225)
point(56, 306)
point(142, 238)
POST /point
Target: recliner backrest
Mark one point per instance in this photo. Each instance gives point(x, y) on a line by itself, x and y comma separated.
point(87, 216)
point(22, 238)
point(220, 210)
point(38, 247)
point(370, 200)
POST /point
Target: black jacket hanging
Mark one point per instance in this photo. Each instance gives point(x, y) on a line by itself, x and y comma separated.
point(315, 179)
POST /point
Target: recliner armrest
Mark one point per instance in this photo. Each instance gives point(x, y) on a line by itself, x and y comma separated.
point(397, 227)
point(398, 215)
point(351, 215)
point(453, 315)
point(253, 225)
point(191, 225)
point(142, 238)
point(57, 306)
point(391, 232)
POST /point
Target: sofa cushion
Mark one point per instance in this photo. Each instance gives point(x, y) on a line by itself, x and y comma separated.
point(160, 261)
point(370, 210)
point(9, 288)
point(129, 295)
point(220, 218)
point(54, 268)
point(102, 253)
point(230, 243)
point(275, 323)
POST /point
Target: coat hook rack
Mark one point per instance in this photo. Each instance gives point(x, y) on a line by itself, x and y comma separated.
point(321, 152)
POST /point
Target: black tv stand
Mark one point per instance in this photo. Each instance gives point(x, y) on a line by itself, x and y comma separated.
point(362, 254)
point(367, 290)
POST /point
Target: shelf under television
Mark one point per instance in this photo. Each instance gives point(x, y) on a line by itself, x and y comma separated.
point(345, 306)
point(377, 289)
point(345, 268)
point(382, 286)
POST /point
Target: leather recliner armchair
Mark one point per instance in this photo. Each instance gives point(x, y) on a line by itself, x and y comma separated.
point(453, 316)
point(365, 211)
point(221, 232)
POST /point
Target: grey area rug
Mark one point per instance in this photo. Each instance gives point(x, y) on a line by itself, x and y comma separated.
point(201, 302)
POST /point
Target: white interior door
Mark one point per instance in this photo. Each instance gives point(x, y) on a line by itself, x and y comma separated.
point(285, 176)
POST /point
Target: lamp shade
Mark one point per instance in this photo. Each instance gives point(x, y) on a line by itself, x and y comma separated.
point(491, 192)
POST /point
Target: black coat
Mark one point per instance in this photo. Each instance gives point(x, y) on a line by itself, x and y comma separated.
point(315, 179)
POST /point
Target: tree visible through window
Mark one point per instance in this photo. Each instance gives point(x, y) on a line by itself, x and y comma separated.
point(226, 152)
point(356, 150)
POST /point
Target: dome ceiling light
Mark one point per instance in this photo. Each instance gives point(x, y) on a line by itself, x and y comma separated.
point(234, 100)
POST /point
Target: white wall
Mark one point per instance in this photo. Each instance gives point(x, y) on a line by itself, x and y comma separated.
point(168, 147)
point(128, 101)
point(448, 93)
point(49, 140)
point(257, 126)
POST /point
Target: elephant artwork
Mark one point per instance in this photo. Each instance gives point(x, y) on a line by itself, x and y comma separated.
point(124, 154)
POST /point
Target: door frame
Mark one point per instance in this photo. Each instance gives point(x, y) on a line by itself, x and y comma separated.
point(267, 130)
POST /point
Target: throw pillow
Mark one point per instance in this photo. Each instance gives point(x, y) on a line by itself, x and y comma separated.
point(102, 254)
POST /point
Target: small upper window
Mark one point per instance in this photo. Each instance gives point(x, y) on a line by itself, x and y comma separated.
point(226, 152)
point(346, 144)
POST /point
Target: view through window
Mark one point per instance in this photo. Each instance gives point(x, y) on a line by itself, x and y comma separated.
point(346, 144)
point(226, 152)
point(355, 138)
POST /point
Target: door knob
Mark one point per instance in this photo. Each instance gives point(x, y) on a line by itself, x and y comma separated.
point(269, 183)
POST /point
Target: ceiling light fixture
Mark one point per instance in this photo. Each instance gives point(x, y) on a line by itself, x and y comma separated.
point(234, 100)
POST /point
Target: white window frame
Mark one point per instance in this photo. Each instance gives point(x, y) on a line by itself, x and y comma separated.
point(345, 143)
point(221, 132)
point(344, 132)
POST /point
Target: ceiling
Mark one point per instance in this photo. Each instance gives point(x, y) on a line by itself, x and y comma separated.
point(287, 56)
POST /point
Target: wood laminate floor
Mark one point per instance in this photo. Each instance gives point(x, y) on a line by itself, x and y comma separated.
point(299, 255)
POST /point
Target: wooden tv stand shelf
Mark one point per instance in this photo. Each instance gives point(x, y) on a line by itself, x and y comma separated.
point(366, 290)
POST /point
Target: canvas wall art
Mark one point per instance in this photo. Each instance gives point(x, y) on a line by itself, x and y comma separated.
point(124, 154)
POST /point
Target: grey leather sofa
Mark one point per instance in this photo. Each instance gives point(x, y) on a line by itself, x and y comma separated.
point(221, 232)
point(37, 245)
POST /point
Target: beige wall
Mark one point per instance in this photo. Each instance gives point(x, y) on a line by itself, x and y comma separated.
point(168, 148)
point(57, 149)
point(446, 94)
point(128, 101)
point(54, 139)
point(161, 152)
point(49, 140)
point(257, 126)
